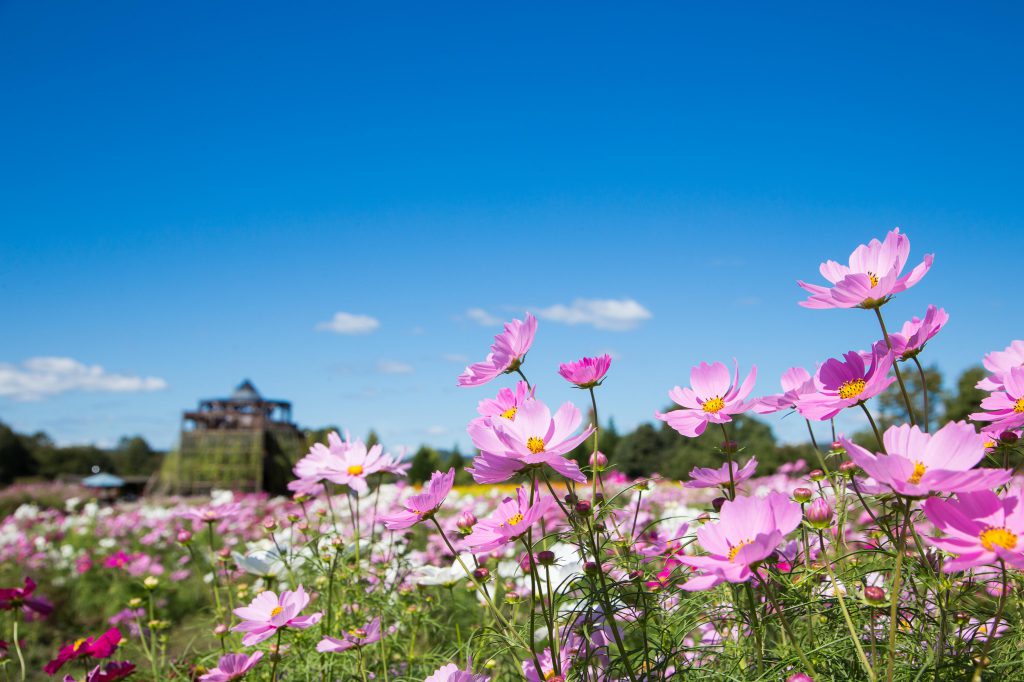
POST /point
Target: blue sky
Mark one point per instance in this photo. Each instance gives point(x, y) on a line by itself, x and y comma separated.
point(188, 190)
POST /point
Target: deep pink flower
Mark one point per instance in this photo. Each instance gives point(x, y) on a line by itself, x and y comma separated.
point(262, 618)
point(422, 507)
point(533, 438)
point(911, 339)
point(452, 673)
point(507, 353)
point(359, 637)
point(713, 398)
point(510, 520)
point(86, 647)
point(1000, 362)
point(796, 383)
point(919, 464)
point(1005, 407)
point(846, 383)
point(232, 667)
point(870, 279)
point(747, 532)
point(716, 478)
point(21, 597)
point(980, 528)
point(587, 372)
point(113, 671)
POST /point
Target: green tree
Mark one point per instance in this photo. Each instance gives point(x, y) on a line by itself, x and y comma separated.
point(424, 463)
point(134, 457)
point(16, 459)
point(890, 408)
point(966, 398)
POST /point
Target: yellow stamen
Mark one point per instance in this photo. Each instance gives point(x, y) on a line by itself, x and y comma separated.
point(535, 444)
point(355, 470)
point(874, 279)
point(1001, 537)
point(713, 405)
point(515, 520)
point(510, 413)
point(277, 610)
point(358, 633)
point(549, 675)
point(915, 476)
point(78, 643)
point(1018, 407)
point(852, 388)
point(733, 551)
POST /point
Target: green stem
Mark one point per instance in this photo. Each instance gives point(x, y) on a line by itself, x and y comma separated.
point(17, 647)
point(846, 616)
point(213, 566)
point(789, 632)
point(597, 430)
point(983, 660)
point(728, 453)
point(607, 604)
point(895, 594)
point(520, 373)
point(277, 656)
point(924, 390)
point(755, 627)
point(874, 427)
point(896, 368)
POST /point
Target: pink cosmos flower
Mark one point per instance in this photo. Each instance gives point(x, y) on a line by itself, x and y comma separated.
point(267, 613)
point(846, 383)
point(747, 532)
point(716, 478)
point(213, 513)
point(919, 464)
point(1000, 362)
point(314, 468)
point(21, 597)
point(587, 372)
point(506, 404)
point(796, 383)
point(507, 353)
point(911, 339)
point(533, 438)
point(547, 666)
point(510, 520)
point(1005, 407)
point(452, 673)
point(422, 507)
point(355, 463)
point(871, 278)
point(113, 671)
point(357, 638)
point(86, 647)
point(980, 528)
point(713, 398)
point(232, 667)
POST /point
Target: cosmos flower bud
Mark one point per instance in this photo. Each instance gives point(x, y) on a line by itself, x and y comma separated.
point(292, 518)
point(816, 475)
point(703, 517)
point(730, 446)
point(545, 557)
point(591, 567)
point(819, 514)
point(269, 525)
point(717, 503)
point(582, 508)
point(302, 527)
point(802, 495)
point(875, 596)
point(1008, 437)
point(220, 630)
point(599, 498)
point(150, 583)
point(848, 468)
point(184, 537)
point(481, 575)
point(466, 522)
point(571, 499)
point(598, 460)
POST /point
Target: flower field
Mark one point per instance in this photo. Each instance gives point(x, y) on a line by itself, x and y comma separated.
point(900, 559)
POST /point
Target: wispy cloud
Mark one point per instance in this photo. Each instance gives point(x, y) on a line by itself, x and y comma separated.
point(610, 314)
point(482, 317)
point(457, 358)
point(40, 377)
point(394, 367)
point(348, 323)
point(436, 430)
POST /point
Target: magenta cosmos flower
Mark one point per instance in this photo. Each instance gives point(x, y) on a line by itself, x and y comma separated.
point(452, 673)
point(586, 373)
point(21, 597)
point(919, 464)
point(353, 639)
point(507, 353)
point(747, 532)
point(870, 279)
point(511, 520)
point(86, 647)
point(1005, 407)
point(232, 667)
point(911, 339)
point(713, 398)
point(533, 438)
point(423, 506)
point(268, 613)
point(796, 383)
point(1000, 362)
point(846, 383)
point(715, 478)
point(111, 672)
point(980, 528)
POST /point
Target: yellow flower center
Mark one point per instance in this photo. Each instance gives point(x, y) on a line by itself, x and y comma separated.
point(79, 643)
point(355, 470)
point(998, 536)
point(874, 279)
point(713, 405)
point(990, 444)
point(549, 675)
point(852, 388)
point(510, 413)
point(734, 550)
point(1018, 407)
point(515, 520)
point(358, 633)
point(535, 444)
point(277, 610)
point(917, 473)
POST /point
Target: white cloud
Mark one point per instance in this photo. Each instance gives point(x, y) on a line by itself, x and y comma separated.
point(347, 323)
point(611, 314)
point(393, 367)
point(457, 358)
point(436, 430)
point(40, 377)
point(482, 317)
